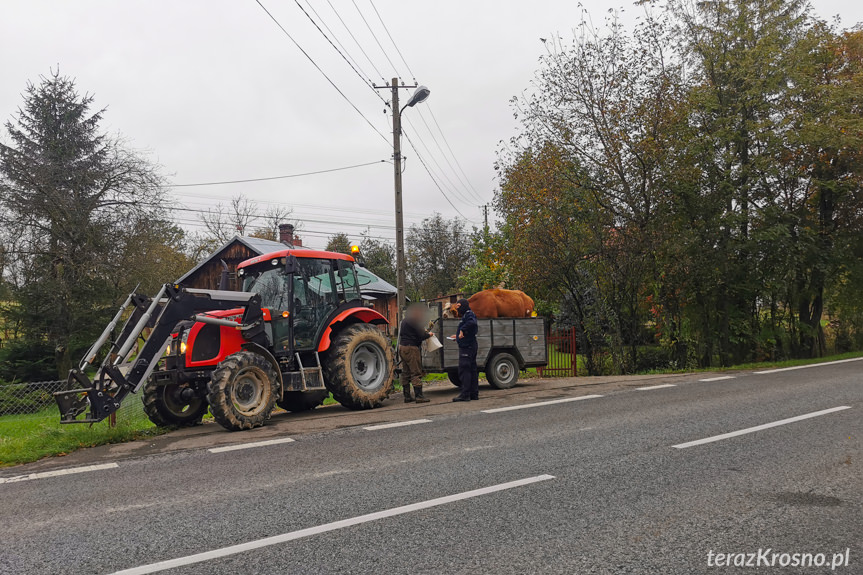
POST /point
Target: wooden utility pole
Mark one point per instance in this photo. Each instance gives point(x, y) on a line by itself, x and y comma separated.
point(400, 225)
point(419, 96)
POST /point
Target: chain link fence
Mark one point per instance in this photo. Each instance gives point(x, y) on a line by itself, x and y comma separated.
point(35, 400)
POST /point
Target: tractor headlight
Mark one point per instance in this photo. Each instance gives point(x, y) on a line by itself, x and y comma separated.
point(184, 339)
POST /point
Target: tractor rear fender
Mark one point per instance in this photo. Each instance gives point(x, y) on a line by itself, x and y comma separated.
point(349, 316)
point(265, 353)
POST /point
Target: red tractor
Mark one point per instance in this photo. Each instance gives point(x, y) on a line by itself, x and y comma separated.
point(296, 332)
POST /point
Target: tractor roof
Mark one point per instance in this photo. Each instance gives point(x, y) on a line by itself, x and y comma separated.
point(302, 253)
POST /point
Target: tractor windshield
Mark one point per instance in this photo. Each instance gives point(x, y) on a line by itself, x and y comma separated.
point(272, 285)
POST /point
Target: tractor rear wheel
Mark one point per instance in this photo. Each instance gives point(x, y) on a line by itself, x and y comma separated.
point(358, 367)
point(173, 405)
point(243, 391)
point(297, 401)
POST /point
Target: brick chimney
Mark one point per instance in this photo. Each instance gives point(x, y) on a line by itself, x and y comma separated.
point(287, 237)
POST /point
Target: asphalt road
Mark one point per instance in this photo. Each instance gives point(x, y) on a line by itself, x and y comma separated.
point(619, 483)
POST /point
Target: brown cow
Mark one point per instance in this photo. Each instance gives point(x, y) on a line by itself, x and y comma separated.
point(496, 303)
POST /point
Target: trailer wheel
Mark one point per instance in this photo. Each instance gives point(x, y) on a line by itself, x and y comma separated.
point(358, 367)
point(171, 406)
point(243, 391)
point(452, 374)
point(502, 371)
point(297, 401)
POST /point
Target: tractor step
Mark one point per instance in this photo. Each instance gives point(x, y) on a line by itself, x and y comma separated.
point(310, 377)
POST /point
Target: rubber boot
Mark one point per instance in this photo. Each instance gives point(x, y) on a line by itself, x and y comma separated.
point(406, 390)
point(418, 389)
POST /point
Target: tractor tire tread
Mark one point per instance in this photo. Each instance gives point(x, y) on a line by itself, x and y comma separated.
point(337, 370)
point(218, 391)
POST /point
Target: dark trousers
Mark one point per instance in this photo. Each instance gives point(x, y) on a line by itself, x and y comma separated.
point(468, 372)
point(412, 366)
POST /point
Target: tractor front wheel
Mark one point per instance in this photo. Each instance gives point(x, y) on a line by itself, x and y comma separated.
point(173, 405)
point(243, 391)
point(358, 367)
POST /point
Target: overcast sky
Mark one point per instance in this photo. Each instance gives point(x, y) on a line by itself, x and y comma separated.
point(215, 91)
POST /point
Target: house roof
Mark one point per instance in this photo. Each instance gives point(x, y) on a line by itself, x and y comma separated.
point(375, 284)
point(258, 245)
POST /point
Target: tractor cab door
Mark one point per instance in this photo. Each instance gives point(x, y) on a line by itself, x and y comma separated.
point(314, 299)
point(347, 283)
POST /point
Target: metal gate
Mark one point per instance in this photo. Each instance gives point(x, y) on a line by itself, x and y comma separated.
point(562, 358)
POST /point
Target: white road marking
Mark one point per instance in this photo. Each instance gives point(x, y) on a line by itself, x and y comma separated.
point(720, 378)
point(808, 365)
point(58, 472)
point(396, 424)
point(325, 528)
point(538, 404)
point(648, 388)
point(250, 445)
point(760, 427)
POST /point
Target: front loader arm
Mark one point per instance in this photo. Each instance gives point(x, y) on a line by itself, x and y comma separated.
point(115, 378)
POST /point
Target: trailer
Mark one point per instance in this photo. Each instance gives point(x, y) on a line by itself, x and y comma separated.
point(506, 346)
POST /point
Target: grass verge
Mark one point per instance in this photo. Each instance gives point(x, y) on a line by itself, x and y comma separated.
point(26, 438)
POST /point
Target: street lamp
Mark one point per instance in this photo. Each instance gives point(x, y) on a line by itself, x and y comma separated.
point(421, 94)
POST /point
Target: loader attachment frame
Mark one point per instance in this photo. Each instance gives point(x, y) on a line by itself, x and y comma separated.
point(116, 377)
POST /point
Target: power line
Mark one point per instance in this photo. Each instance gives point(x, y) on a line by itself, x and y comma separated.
point(315, 64)
point(468, 195)
point(374, 36)
point(411, 72)
point(245, 181)
point(345, 58)
point(419, 157)
point(447, 183)
point(466, 183)
point(375, 68)
point(346, 54)
point(342, 46)
point(454, 157)
point(351, 209)
point(422, 161)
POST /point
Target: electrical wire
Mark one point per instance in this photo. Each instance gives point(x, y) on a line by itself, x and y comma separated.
point(441, 174)
point(468, 186)
point(247, 180)
point(378, 42)
point(342, 46)
point(355, 40)
point(454, 157)
point(387, 30)
point(345, 58)
point(419, 157)
point(315, 64)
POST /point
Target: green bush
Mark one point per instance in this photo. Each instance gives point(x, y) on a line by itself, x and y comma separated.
point(649, 358)
point(22, 360)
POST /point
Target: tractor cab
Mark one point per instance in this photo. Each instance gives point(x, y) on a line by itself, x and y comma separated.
point(300, 289)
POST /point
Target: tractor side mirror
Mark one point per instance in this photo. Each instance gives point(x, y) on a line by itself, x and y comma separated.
point(291, 265)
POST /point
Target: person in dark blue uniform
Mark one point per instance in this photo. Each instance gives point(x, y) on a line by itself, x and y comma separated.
point(468, 372)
